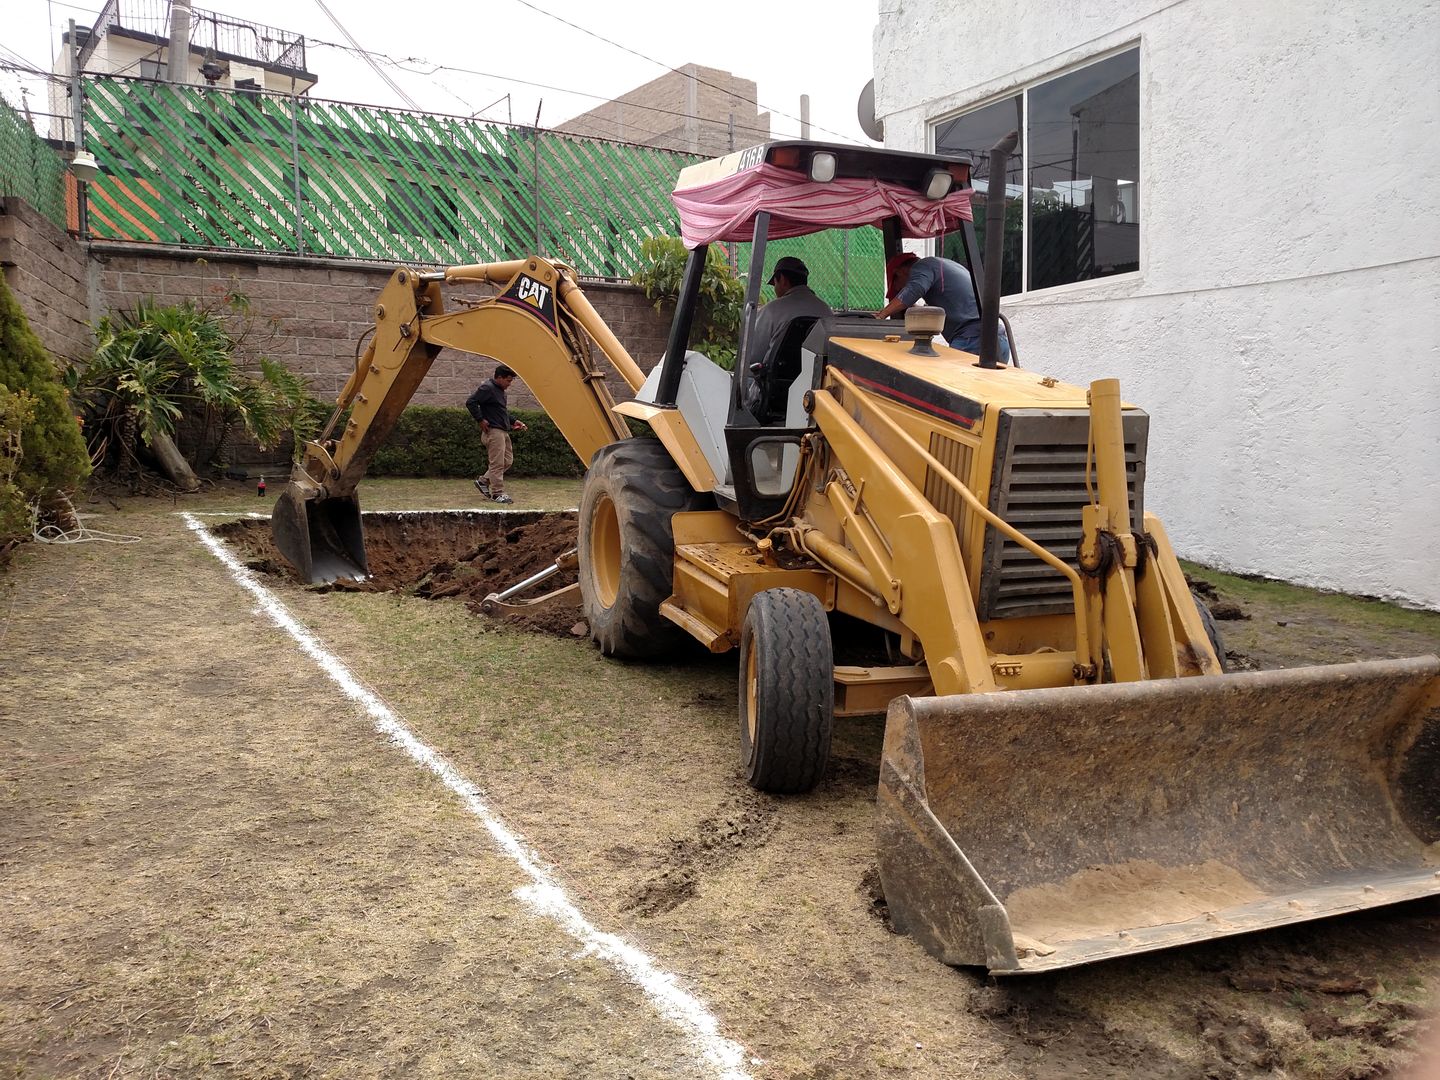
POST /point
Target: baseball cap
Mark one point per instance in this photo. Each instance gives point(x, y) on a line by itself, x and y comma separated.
point(892, 265)
point(792, 268)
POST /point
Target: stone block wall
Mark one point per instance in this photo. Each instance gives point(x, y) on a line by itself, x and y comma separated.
point(47, 271)
point(307, 313)
point(310, 313)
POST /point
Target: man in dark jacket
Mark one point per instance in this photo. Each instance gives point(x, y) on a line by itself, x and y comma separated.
point(941, 283)
point(490, 410)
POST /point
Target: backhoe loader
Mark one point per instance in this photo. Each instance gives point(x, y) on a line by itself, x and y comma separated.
point(1068, 774)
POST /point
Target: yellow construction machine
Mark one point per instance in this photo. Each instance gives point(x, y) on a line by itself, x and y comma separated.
point(1068, 774)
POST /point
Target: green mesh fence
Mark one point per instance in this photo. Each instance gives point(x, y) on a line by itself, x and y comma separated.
point(29, 169)
point(250, 171)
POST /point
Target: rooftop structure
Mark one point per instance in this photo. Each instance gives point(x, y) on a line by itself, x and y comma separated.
point(132, 37)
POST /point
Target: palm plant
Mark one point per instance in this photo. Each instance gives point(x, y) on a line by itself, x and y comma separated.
point(156, 366)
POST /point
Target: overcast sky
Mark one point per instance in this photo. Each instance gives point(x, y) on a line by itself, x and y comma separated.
point(822, 49)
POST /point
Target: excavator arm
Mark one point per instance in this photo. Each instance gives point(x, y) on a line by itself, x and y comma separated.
point(540, 323)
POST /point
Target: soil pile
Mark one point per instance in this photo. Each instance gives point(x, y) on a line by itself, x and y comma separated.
point(437, 556)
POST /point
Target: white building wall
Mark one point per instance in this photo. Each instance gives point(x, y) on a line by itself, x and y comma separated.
point(1284, 329)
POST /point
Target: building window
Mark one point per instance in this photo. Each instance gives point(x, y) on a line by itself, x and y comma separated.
point(421, 210)
point(1073, 190)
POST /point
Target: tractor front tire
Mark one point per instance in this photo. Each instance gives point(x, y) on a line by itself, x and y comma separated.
point(627, 547)
point(787, 692)
point(1212, 631)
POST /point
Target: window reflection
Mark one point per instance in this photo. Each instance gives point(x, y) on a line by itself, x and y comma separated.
point(974, 134)
point(1079, 166)
point(1084, 172)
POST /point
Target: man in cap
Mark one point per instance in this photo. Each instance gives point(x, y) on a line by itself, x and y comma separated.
point(793, 299)
point(941, 283)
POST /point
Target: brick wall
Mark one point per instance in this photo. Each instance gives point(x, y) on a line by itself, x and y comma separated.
point(307, 313)
point(46, 270)
point(310, 313)
point(687, 110)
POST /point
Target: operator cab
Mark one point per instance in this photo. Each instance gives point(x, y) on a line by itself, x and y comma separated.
point(751, 423)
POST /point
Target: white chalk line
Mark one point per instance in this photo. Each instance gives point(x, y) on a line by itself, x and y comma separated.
point(451, 510)
point(543, 895)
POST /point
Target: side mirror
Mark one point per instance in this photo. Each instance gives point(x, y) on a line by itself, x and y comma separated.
point(755, 369)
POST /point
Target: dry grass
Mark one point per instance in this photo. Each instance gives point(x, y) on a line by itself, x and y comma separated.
point(211, 865)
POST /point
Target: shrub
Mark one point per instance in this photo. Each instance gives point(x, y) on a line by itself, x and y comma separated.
point(45, 454)
point(431, 440)
point(721, 306)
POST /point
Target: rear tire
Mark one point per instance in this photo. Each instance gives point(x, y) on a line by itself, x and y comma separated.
point(1211, 631)
point(787, 692)
point(627, 546)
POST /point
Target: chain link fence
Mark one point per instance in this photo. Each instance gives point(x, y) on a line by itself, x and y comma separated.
point(255, 171)
point(29, 169)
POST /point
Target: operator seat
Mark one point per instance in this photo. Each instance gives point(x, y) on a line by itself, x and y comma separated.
point(777, 370)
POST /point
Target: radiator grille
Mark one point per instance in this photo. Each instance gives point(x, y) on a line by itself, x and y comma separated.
point(1038, 486)
point(956, 457)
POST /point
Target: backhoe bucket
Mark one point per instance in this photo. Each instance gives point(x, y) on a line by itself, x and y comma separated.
point(1039, 829)
point(321, 537)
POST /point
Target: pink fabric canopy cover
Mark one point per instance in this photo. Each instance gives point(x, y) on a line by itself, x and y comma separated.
point(725, 209)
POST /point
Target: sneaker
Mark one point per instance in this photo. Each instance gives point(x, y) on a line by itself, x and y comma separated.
point(503, 498)
point(483, 486)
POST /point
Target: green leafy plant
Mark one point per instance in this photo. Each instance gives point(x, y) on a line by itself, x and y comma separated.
point(42, 455)
point(160, 370)
point(721, 304)
point(431, 440)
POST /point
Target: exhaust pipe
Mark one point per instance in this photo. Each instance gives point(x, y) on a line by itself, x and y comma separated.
point(994, 251)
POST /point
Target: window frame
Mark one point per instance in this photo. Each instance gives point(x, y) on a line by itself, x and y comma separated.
point(1022, 90)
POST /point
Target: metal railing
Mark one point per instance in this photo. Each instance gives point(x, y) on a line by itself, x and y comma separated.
point(208, 30)
point(257, 171)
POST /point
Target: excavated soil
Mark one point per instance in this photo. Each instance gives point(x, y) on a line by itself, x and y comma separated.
point(465, 556)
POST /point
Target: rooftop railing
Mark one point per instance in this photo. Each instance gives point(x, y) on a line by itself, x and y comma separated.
point(229, 36)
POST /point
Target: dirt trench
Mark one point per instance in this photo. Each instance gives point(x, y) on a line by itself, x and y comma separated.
point(463, 556)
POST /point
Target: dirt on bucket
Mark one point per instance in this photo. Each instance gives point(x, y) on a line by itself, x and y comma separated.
point(465, 556)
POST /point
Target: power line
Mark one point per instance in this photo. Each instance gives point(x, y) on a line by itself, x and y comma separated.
point(434, 67)
point(368, 59)
point(623, 134)
point(626, 136)
point(677, 71)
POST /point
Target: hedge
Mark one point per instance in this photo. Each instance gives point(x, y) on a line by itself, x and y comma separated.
point(36, 421)
point(432, 440)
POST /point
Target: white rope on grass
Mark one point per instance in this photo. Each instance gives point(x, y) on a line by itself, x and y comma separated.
point(543, 895)
point(80, 534)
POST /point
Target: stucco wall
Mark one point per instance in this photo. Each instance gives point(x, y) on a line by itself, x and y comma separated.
point(1284, 329)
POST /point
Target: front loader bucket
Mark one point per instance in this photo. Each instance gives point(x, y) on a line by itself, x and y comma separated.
point(1039, 829)
point(321, 537)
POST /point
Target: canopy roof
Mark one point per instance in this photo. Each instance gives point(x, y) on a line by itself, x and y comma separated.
point(718, 199)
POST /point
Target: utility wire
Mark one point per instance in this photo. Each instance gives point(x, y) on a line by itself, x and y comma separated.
point(434, 67)
point(384, 75)
point(677, 71)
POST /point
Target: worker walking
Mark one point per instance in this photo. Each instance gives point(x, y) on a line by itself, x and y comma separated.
point(491, 411)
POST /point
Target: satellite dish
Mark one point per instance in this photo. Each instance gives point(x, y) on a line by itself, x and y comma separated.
point(865, 112)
